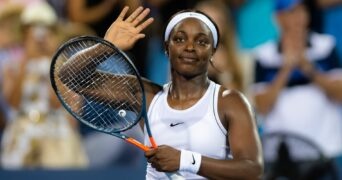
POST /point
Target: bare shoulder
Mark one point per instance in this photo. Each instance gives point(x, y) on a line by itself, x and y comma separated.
point(231, 98)
point(233, 105)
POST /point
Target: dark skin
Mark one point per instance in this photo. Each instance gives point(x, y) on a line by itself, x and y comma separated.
point(190, 48)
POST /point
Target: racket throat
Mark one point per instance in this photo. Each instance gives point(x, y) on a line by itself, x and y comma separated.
point(153, 142)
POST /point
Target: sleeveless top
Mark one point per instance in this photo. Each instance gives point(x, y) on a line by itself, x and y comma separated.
point(196, 129)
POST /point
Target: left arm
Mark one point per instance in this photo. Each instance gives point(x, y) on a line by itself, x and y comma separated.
point(247, 162)
point(243, 138)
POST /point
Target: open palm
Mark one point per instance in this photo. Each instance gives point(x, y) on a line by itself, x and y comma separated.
point(123, 33)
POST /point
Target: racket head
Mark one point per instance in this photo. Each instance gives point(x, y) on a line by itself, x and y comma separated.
point(101, 113)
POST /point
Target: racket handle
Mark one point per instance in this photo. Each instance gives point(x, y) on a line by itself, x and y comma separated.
point(137, 143)
point(172, 176)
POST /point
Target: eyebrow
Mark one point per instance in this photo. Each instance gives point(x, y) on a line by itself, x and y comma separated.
point(198, 34)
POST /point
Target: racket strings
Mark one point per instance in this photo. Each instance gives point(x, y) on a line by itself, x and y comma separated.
point(107, 97)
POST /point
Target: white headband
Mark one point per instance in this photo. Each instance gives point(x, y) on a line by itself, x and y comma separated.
point(179, 17)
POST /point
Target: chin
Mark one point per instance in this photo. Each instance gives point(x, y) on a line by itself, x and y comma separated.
point(189, 73)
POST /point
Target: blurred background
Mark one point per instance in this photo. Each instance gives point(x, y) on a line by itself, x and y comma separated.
point(284, 55)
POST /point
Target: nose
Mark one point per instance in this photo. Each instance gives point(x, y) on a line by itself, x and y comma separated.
point(190, 45)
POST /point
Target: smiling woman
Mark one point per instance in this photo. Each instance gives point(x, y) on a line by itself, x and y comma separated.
point(191, 115)
point(204, 130)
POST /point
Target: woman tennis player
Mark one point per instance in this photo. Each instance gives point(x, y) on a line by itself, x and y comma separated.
point(203, 129)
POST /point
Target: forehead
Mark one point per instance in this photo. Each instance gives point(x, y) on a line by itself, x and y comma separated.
point(192, 25)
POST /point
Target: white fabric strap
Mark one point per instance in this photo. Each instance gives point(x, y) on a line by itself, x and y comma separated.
point(179, 17)
point(190, 161)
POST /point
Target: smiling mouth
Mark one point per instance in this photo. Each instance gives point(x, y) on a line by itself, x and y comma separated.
point(189, 59)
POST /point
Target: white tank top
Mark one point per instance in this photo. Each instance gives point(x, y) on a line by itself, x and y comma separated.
point(196, 129)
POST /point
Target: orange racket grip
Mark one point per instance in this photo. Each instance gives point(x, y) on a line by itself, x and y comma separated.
point(138, 144)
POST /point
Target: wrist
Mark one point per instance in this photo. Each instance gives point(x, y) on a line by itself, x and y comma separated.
point(190, 161)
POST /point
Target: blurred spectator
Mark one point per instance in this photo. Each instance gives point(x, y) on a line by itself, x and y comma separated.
point(39, 133)
point(99, 14)
point(68, 30)
point(60, 7)
point(225, 66)
point(10, 35)
point(10, 48)
point(299, 83)
point(332, 20)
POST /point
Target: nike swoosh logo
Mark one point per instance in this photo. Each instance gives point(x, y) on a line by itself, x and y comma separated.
point(193, 160)
point(176, 124)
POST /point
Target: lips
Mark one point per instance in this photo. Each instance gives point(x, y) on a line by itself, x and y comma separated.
point(189, 58)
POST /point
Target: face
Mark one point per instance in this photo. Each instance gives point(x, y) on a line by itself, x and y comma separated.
point(9, 32)
point(190, 48)
point(294, 20)
point(40, 40)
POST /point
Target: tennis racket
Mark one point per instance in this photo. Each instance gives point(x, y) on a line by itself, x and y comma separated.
point(99, 85)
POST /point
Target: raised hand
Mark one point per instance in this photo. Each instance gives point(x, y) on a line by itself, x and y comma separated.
point(124, 32)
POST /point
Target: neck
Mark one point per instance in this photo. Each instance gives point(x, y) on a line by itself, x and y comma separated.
point(183, 89)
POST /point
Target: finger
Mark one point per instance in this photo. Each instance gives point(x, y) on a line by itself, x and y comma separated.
point(141, 16)
point(123, 13)
point(144, 24)
point(137, 37)
point(134, 14)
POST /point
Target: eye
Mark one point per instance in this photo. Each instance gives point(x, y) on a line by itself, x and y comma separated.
point(178, 39)
point(203, 42)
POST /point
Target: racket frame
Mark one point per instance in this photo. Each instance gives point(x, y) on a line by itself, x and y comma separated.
point(117, 133)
